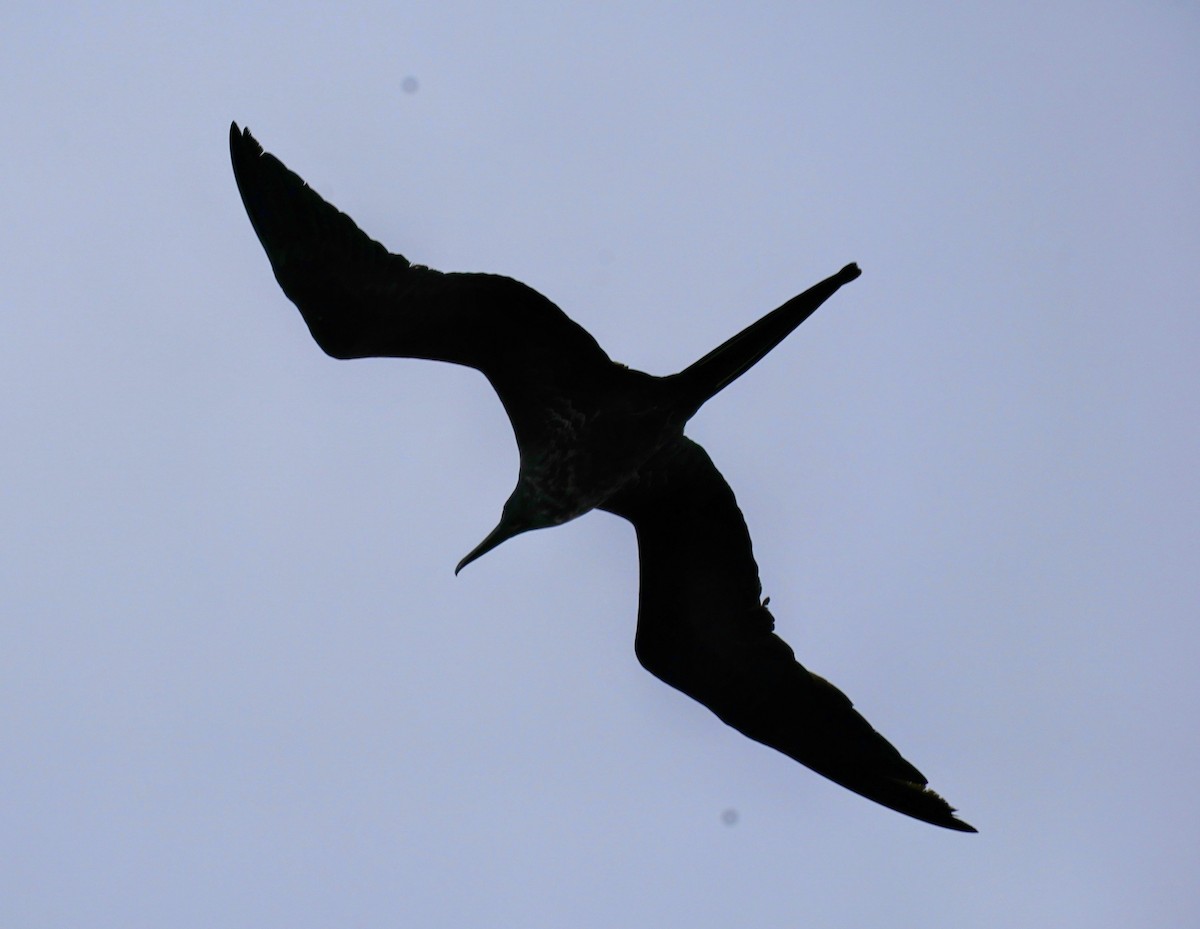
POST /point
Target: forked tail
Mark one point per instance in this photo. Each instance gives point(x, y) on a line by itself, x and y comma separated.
point(730, 360)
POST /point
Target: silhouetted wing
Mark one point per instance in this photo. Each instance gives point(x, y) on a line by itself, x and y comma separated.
point(361, 301)
point(703, 630)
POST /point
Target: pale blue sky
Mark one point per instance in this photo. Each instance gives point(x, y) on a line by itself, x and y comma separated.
point(240, 685)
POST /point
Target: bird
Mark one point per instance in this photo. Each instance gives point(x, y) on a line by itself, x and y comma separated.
point(595, 434)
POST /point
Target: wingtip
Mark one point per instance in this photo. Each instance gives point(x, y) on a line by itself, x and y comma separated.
point(849, 273)
point(240, 138)
point(923, 803)
point(235, 137)
point(912, 798)
point(958, 825)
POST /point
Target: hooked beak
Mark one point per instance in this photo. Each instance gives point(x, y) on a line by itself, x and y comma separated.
point(501, 533)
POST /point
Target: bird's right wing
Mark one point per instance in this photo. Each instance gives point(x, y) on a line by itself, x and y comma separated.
point(703, 630)
point(361, 301)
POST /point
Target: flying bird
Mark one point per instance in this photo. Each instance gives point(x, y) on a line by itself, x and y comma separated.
point(595, 434)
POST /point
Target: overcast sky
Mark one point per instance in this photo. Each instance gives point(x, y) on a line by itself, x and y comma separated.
point(240, 685)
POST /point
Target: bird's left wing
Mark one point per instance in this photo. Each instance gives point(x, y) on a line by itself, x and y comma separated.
point(703, 630)
point(360, 300)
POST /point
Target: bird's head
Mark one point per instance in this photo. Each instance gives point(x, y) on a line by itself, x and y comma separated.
point(519, 515)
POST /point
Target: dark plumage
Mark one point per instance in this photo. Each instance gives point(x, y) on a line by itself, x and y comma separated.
point(595, 434)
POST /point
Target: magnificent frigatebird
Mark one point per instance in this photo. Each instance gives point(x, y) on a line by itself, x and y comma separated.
point(594, 434)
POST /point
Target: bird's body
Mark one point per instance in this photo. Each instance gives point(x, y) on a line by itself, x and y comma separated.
point(594, 434)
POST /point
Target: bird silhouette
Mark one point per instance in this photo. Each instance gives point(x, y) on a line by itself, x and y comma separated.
point(594, 434)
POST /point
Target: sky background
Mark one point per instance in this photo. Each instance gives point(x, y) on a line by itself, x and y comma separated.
point(240, 685)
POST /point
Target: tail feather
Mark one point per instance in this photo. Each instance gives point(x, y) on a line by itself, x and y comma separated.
point(733, 358)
